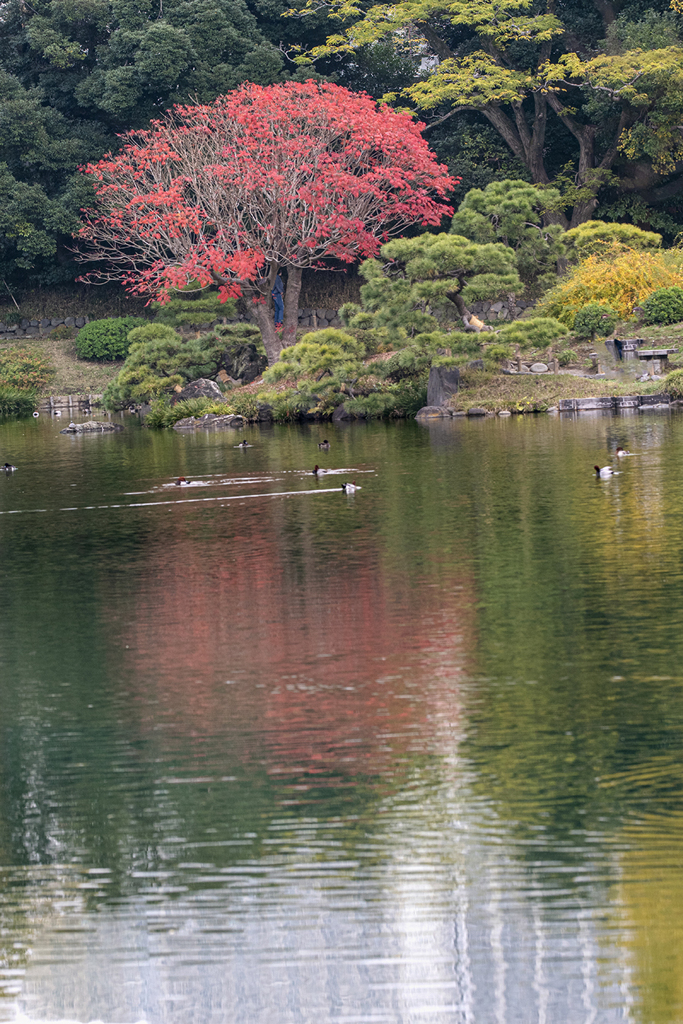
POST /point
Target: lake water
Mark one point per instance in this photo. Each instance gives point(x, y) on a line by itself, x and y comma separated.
point(272, 754)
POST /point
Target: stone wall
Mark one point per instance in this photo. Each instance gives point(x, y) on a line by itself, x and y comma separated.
point(319, 318)
point(313, 318)
point(508, 308)
point(38, 328)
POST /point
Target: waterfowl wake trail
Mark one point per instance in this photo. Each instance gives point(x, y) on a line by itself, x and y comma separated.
point(176, 501)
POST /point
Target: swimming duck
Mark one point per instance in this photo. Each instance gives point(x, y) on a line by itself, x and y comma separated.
point(9, 469)
point(181, 482)
point(324, 445)
point(350, 488)
point(620, 452)
point(604, 473)
point(243, 444)
point(319, 472)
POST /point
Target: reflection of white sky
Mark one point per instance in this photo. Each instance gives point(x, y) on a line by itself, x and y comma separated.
point(434, 920)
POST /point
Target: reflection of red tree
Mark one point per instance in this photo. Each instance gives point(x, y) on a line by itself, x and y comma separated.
point(339, 666)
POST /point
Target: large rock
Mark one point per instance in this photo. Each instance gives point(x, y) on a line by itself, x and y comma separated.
point(443, 384)
point(92, 427)
point(210, 421)
point(201, 388)
point(431, 412)
point(244, 362)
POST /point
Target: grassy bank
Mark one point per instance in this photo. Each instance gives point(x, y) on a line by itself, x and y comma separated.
point(488, 389)
point(536, 392)
point(71, 376)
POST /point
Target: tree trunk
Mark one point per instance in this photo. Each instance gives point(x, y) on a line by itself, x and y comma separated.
point(458, 301)
point(291, 320)
point(261, 312)
point(260, 306)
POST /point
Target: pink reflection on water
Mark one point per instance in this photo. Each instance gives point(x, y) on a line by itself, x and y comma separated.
point(294, 658)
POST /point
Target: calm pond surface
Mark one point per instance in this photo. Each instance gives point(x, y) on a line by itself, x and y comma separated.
point(272, 754)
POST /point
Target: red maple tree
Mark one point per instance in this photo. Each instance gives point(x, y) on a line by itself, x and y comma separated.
point(263, 179)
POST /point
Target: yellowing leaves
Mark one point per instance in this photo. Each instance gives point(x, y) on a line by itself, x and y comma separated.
point(618, 277)
point(474, 81)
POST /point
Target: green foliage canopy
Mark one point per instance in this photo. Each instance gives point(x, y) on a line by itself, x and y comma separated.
point(520, 66)
point(595, 235)
point(513, 212)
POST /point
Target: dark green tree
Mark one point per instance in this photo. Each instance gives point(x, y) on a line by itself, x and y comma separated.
point(41, 191)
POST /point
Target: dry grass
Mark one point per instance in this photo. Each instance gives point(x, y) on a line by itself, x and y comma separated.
point(72, 376)
point(499, 391)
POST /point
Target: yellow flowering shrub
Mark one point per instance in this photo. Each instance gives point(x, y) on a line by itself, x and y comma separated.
point(618, 277)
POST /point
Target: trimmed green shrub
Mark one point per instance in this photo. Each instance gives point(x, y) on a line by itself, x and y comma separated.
point(673, 384)
point(595, 320)
point(665, 306)
point(106, 340)
point(596, 235)
point(24, 368)
point(567, 356)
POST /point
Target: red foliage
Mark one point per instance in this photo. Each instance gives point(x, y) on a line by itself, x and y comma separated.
point(284, 176)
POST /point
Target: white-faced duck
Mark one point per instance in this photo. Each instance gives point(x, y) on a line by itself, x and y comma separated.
point(604, 473)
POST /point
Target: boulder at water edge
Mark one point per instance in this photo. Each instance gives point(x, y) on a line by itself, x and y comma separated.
point(201, 388)
point(444, 382)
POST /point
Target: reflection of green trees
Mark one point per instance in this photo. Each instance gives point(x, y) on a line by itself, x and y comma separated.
point(507, 515)
point(576, 622)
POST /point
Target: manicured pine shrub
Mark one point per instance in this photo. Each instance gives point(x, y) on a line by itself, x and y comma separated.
point(534, 333)
point(596, 235)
